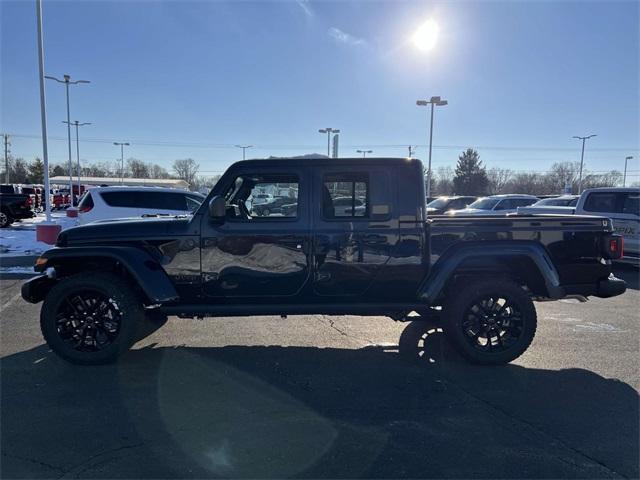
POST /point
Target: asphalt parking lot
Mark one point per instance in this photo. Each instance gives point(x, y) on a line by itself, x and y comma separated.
point(315, 396)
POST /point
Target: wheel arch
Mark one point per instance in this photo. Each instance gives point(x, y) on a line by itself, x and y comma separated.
point(527, 263)
point(133, 263)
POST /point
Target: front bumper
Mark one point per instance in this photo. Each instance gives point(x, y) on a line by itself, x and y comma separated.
point(35, 289)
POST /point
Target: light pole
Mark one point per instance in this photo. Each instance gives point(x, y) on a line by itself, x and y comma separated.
point(423, 103)
point(78, 124)
point(364, 152)
point(122, 145)
point(244, 148)
point(624, 179)
point(582, 159)
point(43, 120)
point(67, 81)
point(329, 131)
point(412, 148)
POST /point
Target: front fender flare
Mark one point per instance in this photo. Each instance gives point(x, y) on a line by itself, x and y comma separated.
point(445, 267)
point(145, 271)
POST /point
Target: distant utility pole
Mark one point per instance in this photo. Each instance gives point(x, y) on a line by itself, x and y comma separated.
point(121, 145)
point(6, 158)
point(624, 179)
point(329, 131)
point(364, 152)
point(67, 81)
point(412, 149)
point(244, 148)
point(78, 124)
point(582, 159)
point(434, 101)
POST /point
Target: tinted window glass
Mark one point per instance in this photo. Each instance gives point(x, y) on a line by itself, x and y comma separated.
point(86, 203)
point(605, 202)
point(120, 199)
point(631, 204)
point(147, 200)
point(523, 202)
point(345, 195)
point(273, 196)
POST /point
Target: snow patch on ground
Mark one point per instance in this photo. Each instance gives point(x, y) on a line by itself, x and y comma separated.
point(20, 238)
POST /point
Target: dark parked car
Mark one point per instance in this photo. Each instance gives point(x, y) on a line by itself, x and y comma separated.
point(443, 204)
point(477, 276)
point(14, 205)
point(273, 206)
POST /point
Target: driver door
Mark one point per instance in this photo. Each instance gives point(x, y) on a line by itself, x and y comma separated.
point(257, 255)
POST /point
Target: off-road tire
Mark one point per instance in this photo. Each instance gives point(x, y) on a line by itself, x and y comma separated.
point(5, 219)
point(112, 287)
point(457, 314)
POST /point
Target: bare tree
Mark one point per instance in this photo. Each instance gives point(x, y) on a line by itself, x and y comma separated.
point(186, 169)
point(138, 168)
point(498, 179)
point(443, 181)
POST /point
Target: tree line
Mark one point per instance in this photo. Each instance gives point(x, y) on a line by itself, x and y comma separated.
point(21, 171)
point(471, 177)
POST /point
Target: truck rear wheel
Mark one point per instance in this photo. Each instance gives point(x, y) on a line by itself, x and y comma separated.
point(490, 322)
point(91, 318)
point(5, 219)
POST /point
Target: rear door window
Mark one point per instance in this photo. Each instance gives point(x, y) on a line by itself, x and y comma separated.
point(605, 202)
point(121, 199)
point(345, 195)
point(631, 204)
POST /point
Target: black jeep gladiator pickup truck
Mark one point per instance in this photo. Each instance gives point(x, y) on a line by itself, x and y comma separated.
point(376, 253)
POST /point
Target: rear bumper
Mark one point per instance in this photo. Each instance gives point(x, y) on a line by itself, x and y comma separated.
point(605, 288)
point(611, 287)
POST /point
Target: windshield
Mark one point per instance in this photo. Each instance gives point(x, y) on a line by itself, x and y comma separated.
point(485, 203)
point(438, 203)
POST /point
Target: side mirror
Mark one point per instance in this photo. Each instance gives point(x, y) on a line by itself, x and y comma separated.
point(217, 208)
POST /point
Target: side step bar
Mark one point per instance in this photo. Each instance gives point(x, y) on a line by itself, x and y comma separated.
point(217, 310)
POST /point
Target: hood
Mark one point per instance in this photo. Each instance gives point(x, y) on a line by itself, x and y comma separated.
point(125, 229)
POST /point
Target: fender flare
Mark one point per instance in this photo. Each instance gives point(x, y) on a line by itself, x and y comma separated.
point(147, 272)
point(447, 264)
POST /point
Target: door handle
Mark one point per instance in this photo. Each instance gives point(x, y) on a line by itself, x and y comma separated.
point(209, 242)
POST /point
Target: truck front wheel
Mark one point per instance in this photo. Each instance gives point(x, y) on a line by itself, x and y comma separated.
point(91, 318)
point(490, 322)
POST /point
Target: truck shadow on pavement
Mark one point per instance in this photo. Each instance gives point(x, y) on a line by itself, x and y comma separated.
point(272, 411)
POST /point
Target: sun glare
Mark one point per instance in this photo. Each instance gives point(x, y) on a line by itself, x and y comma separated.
point(426, 36)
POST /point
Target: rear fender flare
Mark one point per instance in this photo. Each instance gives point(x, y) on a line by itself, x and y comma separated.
point(449, 262)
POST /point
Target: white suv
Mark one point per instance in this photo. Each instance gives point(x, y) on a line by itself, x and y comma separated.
point(101, 203)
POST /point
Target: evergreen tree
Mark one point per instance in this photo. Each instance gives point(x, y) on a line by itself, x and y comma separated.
point(471, 177)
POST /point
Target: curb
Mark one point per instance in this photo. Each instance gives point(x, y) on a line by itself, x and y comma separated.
point(18, 261)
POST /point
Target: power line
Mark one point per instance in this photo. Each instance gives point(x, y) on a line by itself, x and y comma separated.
point(354, 146)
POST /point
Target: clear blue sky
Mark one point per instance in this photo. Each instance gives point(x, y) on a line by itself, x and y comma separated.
point(177, 78)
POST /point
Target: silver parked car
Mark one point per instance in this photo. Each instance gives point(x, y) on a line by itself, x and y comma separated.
point(496, 205)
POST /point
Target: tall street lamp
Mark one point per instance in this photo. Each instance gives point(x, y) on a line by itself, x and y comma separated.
point(67, 81)
point(412, 149)
point(329, 131)
point(122, 145)
point(244, 148)
point(582, 159)
point(364, 152)
point(624, 179)
point(78, 124)
point(434, 101)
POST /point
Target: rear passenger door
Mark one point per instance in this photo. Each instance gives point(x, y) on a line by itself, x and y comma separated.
point(352, 234)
